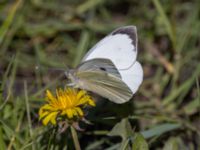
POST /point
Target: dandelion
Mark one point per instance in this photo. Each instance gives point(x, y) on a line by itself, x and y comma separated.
point(68, 105)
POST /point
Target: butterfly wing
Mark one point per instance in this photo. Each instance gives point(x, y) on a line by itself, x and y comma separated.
point(120, 46)
point(106, 83)
point(133, 76)
point(99, 64)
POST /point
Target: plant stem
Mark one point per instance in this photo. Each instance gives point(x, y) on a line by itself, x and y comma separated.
point(75, 138)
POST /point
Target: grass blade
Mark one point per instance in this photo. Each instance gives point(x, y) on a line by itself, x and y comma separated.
point(160, 129)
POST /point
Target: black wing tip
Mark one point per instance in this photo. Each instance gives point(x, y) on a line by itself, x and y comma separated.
point(131, 28)
point(131, 31)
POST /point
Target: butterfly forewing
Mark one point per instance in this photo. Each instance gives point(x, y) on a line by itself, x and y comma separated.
point(99, 64)
point(120, 46)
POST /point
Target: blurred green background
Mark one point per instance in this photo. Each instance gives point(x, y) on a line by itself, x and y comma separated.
point(39, 38)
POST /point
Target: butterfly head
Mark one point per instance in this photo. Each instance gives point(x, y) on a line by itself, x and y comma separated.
point(71, 77)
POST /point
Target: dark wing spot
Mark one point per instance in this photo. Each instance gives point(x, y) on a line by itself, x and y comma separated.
point(103, 69)
point(130, 31)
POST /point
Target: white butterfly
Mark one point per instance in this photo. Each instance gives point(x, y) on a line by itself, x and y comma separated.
point(110, 68)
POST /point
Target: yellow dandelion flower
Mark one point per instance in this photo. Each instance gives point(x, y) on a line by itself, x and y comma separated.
point(67, 103)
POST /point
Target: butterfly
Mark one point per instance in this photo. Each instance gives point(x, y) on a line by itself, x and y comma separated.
point(110, 68)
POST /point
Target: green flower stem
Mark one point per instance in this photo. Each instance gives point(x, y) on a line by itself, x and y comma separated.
point(75, 138)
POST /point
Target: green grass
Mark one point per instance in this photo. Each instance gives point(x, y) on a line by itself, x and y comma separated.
point(38, 39)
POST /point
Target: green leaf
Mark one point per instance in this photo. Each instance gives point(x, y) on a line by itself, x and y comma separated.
point(184, 88)
point(89, 4)
point(82, 47)
point(160, 129)
point(8, 21)
point(122, 129)
point(95, 145)
point(174, 143)
point(139, 143)
point(192, 107)
point(166, 21)
point(2, 142)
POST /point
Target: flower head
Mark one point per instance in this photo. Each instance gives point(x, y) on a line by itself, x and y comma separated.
point(67, 104)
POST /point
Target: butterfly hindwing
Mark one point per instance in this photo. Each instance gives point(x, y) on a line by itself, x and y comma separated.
point(133, 76)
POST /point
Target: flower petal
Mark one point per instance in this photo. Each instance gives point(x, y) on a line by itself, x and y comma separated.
point(48, 107)
point(80, 94)
point(91, 103)
point(43, 114)
point(45, 110)
point(82, 100)
point(50, 117)
point(49, 96)
point(53, 119)
point(69, 113)
point(79, 111)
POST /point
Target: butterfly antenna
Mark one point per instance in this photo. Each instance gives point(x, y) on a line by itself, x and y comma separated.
point(66, 71)
point(40, 68)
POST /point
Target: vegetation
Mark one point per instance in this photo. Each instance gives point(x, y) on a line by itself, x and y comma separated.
point(39, 38)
